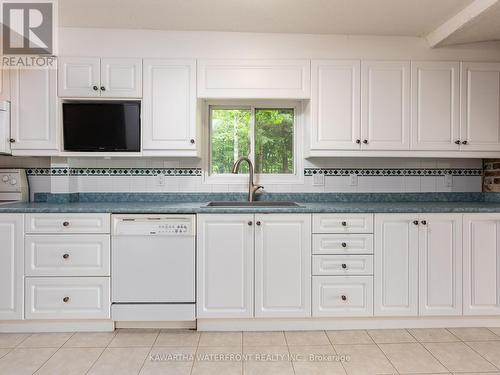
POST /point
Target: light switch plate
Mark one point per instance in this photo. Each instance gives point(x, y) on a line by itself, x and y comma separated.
point(448, 180)
point(319, 179)
point(353, 180)
point(160, 180)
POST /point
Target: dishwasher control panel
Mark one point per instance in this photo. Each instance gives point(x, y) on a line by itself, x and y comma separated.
point(151, 225)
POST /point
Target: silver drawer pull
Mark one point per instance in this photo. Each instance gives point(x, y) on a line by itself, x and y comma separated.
point(344, 223)
point(344, 266)
point(65, 256)
point(66, 299)
point(344, 298)
point(66, 224)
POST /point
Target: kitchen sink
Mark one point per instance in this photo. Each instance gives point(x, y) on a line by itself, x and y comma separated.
point(252, 204)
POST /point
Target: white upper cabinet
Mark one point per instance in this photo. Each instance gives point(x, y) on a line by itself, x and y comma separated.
point(79, 76)
point(396, 265)
point(121, 78)
point(11, 266)
point(283, 265)
point(335, 105)
point(440, 265)
point(225, 266)
point(259, 79)
point(480, 107)
point(481, 239)
point(435, 105)
point(169, 107)
point(385, 105)
point(94, 77)
point(34, 129)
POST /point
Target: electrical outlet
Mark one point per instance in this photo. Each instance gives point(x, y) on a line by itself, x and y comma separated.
point(319, 179)
point(160, 180)
point(353, 180)
point(448, 180)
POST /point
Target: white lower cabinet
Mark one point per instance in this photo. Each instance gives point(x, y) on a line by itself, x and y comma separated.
point(440, 264)
point(481, 242)
point(68, 298)
point(396, 265)
point(227, 276)
point(418, 264)
point(11, 266)
point(225, 258)
point(283, 265)
point(342, 296)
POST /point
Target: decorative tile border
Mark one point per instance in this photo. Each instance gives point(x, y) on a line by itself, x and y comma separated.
point(394, 172)
point(113, 171)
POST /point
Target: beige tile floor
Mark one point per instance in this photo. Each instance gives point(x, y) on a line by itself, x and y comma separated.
point(462, 351)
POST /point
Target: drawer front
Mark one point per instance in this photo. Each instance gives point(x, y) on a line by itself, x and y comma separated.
point(68, 223)
point(328, 265)
point(340, 223)
point(342, 296)
point(67, 298)
point(63, 255)
point(342, 244)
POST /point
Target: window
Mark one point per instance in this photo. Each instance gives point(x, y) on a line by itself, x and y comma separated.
point(266, 134)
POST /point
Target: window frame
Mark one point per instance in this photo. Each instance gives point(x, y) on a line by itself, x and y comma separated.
point(297, 177)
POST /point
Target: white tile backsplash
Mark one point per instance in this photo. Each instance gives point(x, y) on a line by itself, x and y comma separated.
point(64, 184)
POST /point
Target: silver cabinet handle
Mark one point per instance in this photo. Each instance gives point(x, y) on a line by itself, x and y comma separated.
point(66, 299)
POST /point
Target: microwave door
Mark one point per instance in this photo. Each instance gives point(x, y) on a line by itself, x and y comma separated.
point(5, 127)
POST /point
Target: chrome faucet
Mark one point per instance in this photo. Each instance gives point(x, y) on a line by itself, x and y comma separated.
point(252, 188)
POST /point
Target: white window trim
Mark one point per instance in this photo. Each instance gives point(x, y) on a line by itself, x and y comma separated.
point(271, 179)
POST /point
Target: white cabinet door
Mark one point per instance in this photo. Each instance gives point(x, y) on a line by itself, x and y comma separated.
point(79, 77)
point(11, 266)
point(435, 105)
point(440, 264)
point(225, 266)
point(283, 265)
point(385, 105)
point(480, 107)
point(335, 105)
point(121, 78)
point(169, 105)
point(481, 233)
point(33, 111)
point(5, 84)
point(396, 265)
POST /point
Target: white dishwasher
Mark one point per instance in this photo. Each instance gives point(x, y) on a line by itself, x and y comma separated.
point(153, 268)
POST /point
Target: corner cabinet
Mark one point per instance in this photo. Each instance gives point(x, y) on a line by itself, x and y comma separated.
point(83, 77)
point(169, 108)
point(282, 265)
point(481, 239)
point(11, 266)
point(480, 106)
point(34, 124)
point(228, 281)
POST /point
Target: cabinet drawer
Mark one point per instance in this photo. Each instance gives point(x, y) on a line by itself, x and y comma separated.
point(67, 223)
point(342, 244)
point(342, 296)
point(67, 298)
point(340, 223)
point(324, 265)
point(67, 255)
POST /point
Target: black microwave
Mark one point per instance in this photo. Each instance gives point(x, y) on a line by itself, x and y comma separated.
point(108, 126)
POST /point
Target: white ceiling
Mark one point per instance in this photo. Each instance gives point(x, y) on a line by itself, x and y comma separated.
point(360, 17)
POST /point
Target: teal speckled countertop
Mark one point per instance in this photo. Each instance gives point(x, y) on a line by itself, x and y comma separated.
point(309, 203)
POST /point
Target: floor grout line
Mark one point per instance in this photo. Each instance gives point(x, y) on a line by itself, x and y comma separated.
point(482, 356)
point(53, 354)
point(428, 351)
point(335, 351)
point(385, 355)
